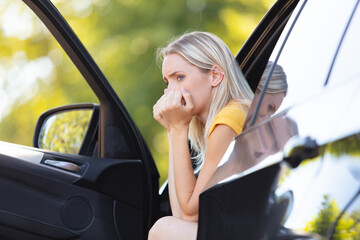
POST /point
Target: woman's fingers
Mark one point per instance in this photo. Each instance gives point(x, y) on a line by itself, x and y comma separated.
point(187, 98)
point(177, 98)
point(158, 107)
point(158, 110)
point(173, 107)
point(171, 100)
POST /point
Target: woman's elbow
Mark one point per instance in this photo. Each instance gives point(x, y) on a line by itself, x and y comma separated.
point(190, 217)
point(190, 212)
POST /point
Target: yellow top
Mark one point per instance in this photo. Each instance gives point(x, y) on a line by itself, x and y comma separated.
point(233, 115)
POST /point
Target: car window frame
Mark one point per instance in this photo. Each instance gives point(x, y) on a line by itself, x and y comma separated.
point(328, 77)
point(254, 54)
point(261, 66)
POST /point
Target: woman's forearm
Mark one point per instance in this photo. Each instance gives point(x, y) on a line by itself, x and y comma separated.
point(184, 178)
point(174, 203)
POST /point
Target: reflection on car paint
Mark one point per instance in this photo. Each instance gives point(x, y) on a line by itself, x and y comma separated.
point(322, 187)
point(325, 182)
point(253, 146)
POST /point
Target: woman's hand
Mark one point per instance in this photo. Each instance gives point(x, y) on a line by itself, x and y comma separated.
point(174, 110)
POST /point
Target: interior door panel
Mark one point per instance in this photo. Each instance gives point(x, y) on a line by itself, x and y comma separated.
point(44, 202)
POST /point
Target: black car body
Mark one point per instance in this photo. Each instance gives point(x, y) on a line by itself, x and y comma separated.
point(302, 183)
point(297, 170)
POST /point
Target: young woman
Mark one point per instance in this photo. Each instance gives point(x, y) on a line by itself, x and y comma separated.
point(206, 101)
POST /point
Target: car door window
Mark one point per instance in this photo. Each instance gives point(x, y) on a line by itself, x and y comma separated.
point(35, 74)
point(346, 66)
point(310, 48)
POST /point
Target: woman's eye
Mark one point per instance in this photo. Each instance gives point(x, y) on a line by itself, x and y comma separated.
point(180, 77)
point(271, 108)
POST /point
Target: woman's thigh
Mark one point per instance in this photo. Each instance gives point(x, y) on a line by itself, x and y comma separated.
point(172, 228)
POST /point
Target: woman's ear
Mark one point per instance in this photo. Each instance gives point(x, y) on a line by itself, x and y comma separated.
point(217, 75)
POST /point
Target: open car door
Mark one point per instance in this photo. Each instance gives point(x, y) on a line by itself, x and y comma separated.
point(105, 190)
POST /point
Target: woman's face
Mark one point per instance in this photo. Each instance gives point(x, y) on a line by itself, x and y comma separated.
point(179, 73)
point(269, 105)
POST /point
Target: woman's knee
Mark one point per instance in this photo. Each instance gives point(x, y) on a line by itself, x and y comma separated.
point(157, 231)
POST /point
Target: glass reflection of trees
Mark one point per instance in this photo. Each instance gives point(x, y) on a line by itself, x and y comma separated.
point(346, 150)
point(348, 226)
point(65, 132)
point(349, 146)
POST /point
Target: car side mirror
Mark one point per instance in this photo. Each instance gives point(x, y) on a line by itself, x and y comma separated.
point(68, 129)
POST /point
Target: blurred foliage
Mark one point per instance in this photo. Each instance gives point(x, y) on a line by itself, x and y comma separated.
point(346, 146)
point(65, 131)
point(348, 226)
point(122, 36)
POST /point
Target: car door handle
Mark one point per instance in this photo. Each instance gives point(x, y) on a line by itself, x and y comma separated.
point(64, 165)
point(298, 149)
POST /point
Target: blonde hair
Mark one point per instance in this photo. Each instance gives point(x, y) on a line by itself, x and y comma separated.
point(277, 82)
point(205, 50)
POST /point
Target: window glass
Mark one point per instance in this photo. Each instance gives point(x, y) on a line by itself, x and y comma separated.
point(346, 67)
point(310, 48)
point(348, 225)
point(305, 60)
point(35, 73)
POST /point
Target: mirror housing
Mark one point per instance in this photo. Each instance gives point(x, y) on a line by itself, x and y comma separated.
point(71, 129)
